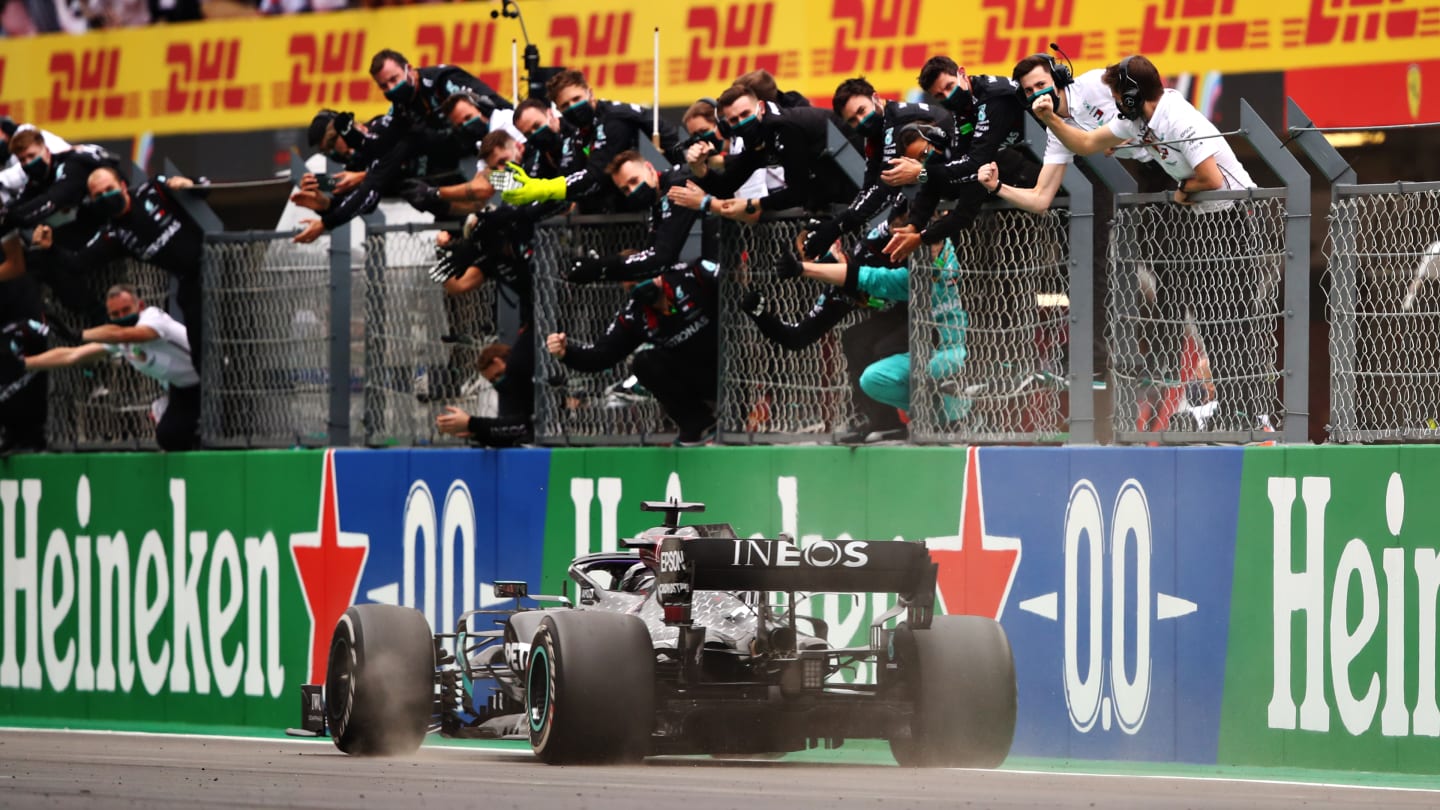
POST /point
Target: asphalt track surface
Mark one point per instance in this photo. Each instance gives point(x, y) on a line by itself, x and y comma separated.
point(68, 769)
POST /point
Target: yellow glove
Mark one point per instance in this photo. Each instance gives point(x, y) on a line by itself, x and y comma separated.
point(532, 190)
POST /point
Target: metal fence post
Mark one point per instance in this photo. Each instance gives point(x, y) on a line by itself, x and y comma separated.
point(1296, 359)
point(339, 420)
point(1082, 307)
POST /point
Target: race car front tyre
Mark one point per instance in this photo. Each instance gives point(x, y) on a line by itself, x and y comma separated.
point(961, 677)
point(590, 688)
point(380, 681)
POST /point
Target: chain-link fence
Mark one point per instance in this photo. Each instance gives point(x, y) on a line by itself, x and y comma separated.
point(770, 392)
point(574, 407)
point(421, 343)
point(266, 381)
point(1195, 315)
point(106, 405)
point(988, 332)
point(1383, 254)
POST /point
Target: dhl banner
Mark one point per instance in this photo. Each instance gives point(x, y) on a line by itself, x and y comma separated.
point(267, 73)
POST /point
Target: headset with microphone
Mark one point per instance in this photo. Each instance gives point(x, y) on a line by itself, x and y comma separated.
point(1062, 75)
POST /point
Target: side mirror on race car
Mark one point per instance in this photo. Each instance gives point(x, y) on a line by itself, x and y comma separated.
point(507, 589)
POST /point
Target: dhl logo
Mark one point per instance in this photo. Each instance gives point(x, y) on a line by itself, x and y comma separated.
point(892, 23)
point(1014, 29)
point(596, 45)
point(1194, 26)
point(83, 87)
point(329, 69)
point(470, 45)
point(741, 29)
point(202, 79)
point(1332, 22)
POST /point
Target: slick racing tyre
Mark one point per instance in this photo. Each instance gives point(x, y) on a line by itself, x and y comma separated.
point(590, 688)
point(960, 674)
point(380, 681)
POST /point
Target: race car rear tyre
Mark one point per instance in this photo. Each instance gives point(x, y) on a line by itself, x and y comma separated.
point(590, 688)
point(380, 681)
point(961, 675)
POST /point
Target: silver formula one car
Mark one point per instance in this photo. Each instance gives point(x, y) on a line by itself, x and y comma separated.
point(689, 642)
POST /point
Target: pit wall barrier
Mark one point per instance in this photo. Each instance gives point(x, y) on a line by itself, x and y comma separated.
point(1264, 606)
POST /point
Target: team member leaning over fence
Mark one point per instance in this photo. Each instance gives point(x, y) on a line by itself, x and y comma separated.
point(888, 380)
point(495, 149)
point(882, 333)
point(1084, 102)
point(417, 98)
point(709, 154)
point(1201, 265)
point(607, 129)
point(795, 139)
point(878, 124)
point(147, 223)
point(675, 312)
point(553, 147)
point(155, 345)
point(377, 164)
point(13, 177)
point(646, 188)
point(989, 125)
point(513, 424)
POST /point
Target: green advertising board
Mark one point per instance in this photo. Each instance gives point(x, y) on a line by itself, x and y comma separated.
point(154, 589)
point(1332, 655)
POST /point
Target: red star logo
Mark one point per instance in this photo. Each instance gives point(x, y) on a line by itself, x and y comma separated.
point(976, 568)
point(328, 562)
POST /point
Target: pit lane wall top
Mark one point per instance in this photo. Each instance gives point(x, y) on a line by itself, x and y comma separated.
point(275, 72)
point(1268, 606)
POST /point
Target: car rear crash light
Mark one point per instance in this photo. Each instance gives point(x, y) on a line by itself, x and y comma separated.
point(813, 673)
point(677, 614)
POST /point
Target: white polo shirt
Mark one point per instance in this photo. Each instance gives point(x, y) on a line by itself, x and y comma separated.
point(1176, 119)
point(167, 357)
point(1090, 104)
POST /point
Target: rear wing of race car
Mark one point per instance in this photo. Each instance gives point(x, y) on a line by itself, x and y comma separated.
point(852, 566)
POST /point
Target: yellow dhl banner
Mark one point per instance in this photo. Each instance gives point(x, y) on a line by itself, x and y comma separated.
point(265, 73)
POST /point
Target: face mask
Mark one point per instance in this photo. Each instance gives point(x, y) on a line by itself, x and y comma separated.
point(334, 154)
point(934, 157)
point(640, 198)
point(126, 320)
point(36, 169)
point(1030, 100)
point(748, 128)
point(870, 125)
point(473, 129)
point(581, 114)
point(959, 101)
point(544, 138)
point(402, 92)
point(110, 204)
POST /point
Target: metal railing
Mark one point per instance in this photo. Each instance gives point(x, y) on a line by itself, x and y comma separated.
point(1196, 314)
point(269, 330)
point(421, 344)
point(1383, 253)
